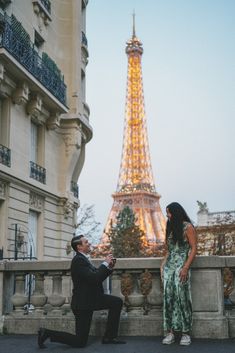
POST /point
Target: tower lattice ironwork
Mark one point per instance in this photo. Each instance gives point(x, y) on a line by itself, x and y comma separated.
point(136, 187)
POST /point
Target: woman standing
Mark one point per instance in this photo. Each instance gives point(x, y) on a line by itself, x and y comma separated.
point(181, 249)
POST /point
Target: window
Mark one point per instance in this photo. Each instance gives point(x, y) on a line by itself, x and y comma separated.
point(3, 215)
point(83, 86)
point(4, 122)
point(2, 224)
point(5, 153)
point(34, 143)
point(32, 234)
point(37, 149)
point(38, 42)
point(37, 143)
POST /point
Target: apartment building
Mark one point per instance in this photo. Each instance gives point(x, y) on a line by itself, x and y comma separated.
point(44, 125)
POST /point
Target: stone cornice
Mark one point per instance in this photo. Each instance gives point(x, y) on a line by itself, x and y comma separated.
point(215, 228)
point(122, 264)
point(21, 94)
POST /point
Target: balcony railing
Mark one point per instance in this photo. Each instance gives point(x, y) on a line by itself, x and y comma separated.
point(22, 49)
point(74, 189)
point(84, 39)
point(37, 172)
point(136, 281)
point(4, 3)
point(5, 156)
point(47, 5)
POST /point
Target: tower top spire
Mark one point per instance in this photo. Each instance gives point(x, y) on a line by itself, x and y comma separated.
point(134, 45)
point(133, 32)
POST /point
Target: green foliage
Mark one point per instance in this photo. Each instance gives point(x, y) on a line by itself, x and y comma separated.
point(126, 238)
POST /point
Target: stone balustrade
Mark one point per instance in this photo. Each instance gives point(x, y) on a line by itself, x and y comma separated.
point(136, 281)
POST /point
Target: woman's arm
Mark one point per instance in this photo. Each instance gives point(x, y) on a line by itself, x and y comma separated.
point(163, 263)
point(192, 239)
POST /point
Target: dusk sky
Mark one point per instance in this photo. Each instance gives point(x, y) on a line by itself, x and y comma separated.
point(188, 68)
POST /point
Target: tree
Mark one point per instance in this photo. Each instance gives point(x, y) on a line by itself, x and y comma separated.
point(87, 225)
point(126, 238)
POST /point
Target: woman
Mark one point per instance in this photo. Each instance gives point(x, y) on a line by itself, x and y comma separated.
point(181, 249)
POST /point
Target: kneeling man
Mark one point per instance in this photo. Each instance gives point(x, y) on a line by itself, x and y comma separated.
point(88, 296)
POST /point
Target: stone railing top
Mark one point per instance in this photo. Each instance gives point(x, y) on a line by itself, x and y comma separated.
point(122, 264)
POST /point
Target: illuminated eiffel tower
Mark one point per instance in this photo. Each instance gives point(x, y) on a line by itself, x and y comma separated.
point(136, 187)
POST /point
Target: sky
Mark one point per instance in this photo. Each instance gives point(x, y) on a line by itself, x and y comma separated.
point(188, 68)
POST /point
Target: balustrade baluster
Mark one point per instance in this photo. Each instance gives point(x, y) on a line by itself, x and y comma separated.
point(136, 299)
point(19, 299)
point(116, 284)
point(154, 297)
point(67, 292)
point(56, 299)
point(38, 298)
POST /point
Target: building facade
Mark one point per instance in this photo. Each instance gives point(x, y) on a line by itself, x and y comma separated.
point(44, 124)
point(216, 231)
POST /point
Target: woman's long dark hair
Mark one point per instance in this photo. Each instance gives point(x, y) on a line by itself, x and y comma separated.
point(175, 224)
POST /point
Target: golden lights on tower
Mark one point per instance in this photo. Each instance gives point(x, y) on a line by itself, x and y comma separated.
point(136, 187)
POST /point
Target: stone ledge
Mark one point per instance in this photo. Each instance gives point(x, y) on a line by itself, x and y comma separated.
point(142, 325)
point(122, 264)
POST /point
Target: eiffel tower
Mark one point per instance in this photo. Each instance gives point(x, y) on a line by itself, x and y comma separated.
point(136, 187)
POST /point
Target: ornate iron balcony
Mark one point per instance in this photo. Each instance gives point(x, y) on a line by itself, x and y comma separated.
point(16, 41)
point(5, 156)
point(37, 172)
point(74, 189)
point(4, 3)
point(84, 39)
point(47, 5)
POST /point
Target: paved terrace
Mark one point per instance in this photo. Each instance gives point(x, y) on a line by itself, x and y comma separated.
point(28, 344)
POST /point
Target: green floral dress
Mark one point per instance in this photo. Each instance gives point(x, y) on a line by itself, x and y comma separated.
point(177, 302)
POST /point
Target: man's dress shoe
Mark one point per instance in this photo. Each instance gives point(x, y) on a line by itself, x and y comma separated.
point(42, 336)
point(106, 340)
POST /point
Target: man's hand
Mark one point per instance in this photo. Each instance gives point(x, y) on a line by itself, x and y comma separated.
point(110, 260)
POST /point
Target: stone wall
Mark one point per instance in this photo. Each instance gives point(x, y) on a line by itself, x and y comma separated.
point(137, 281)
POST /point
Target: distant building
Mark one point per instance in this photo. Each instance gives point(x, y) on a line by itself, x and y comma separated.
point(44, 124)
point(216, 231)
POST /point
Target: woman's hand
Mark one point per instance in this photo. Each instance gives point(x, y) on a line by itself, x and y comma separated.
point(184, 274)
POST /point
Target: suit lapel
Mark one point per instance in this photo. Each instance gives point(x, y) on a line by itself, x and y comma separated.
point(88, 261)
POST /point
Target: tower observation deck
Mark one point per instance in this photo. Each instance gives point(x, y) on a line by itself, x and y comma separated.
point(136, 187)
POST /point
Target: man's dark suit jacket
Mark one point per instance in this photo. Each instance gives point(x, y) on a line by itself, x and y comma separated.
point(87, 283)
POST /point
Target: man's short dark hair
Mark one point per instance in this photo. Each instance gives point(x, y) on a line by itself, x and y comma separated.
point(77, 240)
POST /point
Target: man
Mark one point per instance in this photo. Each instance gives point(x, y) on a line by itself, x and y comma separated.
point(88, 295)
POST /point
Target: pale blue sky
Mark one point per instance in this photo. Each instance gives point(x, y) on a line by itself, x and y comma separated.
point(189, 87)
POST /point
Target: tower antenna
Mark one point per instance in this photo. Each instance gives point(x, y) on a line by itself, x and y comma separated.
point(133, 31)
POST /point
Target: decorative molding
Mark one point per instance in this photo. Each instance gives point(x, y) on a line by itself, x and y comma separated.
point(21, 94)
point(3, 190)
point(2, 71)
point(71, 140)
point(72, 121)
point(85, 55)
point(68, 208)
point(34, 107)
point(53, 121)
point(42, 11)
point(36, 201)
